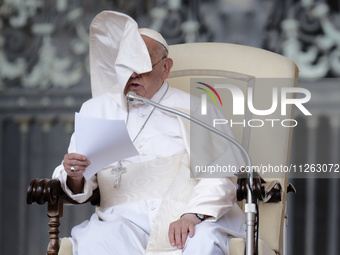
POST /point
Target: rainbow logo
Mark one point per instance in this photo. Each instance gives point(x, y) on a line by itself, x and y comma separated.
point(209, 93)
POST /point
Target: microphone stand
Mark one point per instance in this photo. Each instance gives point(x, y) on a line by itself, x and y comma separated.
point(250, 207)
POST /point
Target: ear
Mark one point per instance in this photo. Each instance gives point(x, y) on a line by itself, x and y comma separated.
point(168, 63)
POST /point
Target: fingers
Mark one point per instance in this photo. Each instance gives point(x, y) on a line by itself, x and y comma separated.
point(178, 232)
point(181, 237)
point(74, 159)
point(177, 235)
point(172, 234)
point(75, 164)
point(191, 230)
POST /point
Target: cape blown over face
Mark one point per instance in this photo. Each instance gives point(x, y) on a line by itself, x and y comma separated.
point(147, 84)
point(117, 50)
point(118, 53)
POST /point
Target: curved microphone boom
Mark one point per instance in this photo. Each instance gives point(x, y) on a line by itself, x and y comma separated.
point(133, 98)
point(250, 208)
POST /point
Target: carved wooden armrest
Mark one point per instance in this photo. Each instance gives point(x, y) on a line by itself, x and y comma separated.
point(271, 192)
point(49, 191)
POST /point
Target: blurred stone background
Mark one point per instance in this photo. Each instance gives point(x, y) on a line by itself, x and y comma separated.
point(44, 78)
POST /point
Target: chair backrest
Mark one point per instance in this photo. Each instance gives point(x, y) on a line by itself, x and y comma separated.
point(265, 137)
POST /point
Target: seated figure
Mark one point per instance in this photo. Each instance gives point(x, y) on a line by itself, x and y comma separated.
point(155, 206)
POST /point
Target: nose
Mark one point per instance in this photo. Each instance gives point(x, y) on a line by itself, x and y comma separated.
point(135, 75)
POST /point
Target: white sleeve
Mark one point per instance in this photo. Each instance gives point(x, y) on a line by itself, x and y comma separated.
point(212, 196)
point(89, 186)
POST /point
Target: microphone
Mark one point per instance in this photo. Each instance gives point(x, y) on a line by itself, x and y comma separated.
point(133, 98)
point(250, 209)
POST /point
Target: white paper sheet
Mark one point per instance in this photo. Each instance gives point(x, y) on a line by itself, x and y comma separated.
point(102, 141)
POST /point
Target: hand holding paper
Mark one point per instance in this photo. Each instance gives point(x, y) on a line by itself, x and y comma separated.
point(102, 141)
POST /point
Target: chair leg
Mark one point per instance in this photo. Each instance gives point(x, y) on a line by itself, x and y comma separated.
point(54, 212)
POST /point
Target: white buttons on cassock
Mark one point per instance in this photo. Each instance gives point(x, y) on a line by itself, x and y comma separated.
point(153, 206)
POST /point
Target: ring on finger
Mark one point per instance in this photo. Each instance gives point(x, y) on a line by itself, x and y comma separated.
point(73, 169)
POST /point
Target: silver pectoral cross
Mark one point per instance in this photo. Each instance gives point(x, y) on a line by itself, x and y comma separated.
point(118, 171)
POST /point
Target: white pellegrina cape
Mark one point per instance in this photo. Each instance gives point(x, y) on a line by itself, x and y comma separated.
point(116, 51)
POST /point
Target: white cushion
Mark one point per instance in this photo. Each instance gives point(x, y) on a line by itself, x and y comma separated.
point(65, 246)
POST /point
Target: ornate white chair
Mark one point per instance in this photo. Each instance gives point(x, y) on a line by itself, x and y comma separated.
point(244, 67)
point(261, 70)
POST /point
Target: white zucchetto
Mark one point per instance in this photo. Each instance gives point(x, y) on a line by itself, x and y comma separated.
point(154, 35)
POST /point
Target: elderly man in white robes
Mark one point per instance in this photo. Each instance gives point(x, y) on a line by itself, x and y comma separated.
point(155, 207)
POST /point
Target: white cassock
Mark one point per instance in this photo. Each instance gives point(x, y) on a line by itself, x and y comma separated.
point(134, 218)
